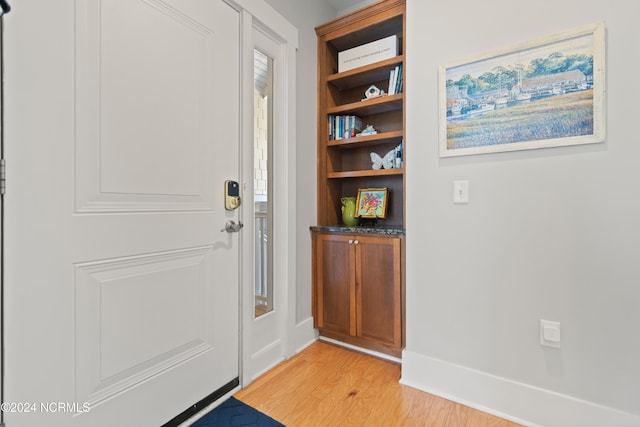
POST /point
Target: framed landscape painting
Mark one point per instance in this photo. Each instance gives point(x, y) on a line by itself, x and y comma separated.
point(543, 93)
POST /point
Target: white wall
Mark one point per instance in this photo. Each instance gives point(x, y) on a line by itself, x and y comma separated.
point(305, 16)
point(548, 234)
point(348, 6)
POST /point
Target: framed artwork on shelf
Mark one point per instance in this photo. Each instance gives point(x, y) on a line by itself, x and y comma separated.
point(372, 202)
point(548, 92)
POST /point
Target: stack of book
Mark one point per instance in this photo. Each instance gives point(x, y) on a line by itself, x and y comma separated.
point(341, 127)
point(395, 80)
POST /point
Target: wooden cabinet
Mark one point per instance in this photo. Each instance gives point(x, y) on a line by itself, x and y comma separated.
point(358, 289)
point(358, 274)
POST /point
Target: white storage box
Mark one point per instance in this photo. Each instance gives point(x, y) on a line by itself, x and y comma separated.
point(367, 53)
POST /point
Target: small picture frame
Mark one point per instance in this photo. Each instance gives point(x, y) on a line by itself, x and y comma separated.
point(372, 202)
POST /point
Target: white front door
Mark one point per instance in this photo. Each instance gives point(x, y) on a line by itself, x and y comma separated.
point(121, 290)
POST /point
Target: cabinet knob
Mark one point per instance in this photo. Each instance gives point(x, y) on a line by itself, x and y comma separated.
point(355, 242)
point(350, 241)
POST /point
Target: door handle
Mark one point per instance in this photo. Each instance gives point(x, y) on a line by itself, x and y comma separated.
point(232, 226)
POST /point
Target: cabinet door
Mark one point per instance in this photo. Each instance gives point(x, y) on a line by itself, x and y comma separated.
point(335, 283)
point(378, 287)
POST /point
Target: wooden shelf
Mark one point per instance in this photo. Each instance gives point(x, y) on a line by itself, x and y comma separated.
point(379, 138)
point(364, 75)
point(371, 23)
point(378, 105)
point(363, 173)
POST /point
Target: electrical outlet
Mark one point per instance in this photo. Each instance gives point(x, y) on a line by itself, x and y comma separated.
point(549, 333)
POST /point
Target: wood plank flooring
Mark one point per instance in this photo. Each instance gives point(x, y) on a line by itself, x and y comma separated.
point(327, 385)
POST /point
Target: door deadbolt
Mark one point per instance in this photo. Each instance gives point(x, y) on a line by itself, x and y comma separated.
point(231, 195)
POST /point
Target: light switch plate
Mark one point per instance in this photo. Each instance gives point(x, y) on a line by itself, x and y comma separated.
point(461, 191)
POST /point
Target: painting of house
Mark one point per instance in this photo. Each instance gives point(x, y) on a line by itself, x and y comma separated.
point(555, 84)
point(536, 94)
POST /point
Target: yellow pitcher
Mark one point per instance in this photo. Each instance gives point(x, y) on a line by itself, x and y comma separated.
point(349, 211)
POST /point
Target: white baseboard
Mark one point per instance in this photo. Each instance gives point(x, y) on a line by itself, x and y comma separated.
point(266, 359)
point(303, 336)
point(517, 402)
point(270, 356)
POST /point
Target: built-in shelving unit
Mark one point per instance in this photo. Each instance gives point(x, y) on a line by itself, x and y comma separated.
point(359, 274)
point(344, 165)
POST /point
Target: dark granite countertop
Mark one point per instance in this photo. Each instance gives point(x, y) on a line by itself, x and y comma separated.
point(387, 230)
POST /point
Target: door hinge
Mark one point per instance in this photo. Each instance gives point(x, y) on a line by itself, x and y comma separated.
point(3, 180)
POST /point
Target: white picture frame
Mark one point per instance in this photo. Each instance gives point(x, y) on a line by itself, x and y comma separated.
point(547, 92)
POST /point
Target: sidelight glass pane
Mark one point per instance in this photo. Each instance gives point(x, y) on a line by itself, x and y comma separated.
point(263, 132)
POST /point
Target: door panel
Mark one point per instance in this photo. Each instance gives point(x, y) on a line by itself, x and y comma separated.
point(146, 78)
point(122, 291)
point(336, 283)
point(116, 348)
point(378, 295)
point(171, 78)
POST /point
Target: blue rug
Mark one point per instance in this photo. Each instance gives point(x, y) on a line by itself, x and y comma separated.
point(234, 413)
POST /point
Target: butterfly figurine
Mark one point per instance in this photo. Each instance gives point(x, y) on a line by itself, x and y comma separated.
point(383, 162)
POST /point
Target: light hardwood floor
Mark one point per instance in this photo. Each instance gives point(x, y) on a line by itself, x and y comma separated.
point(327, 385)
